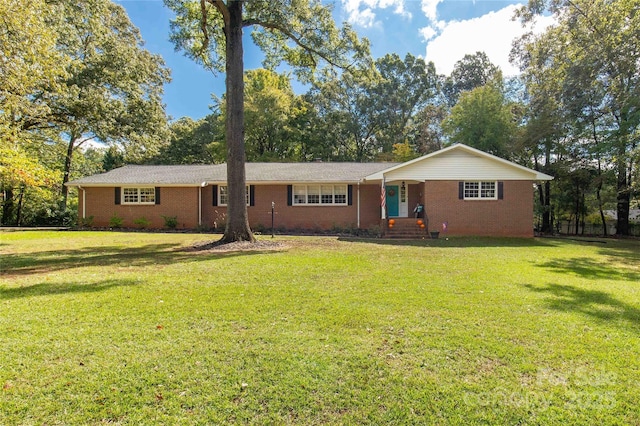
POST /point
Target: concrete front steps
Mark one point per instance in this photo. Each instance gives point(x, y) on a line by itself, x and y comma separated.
point(404, 227)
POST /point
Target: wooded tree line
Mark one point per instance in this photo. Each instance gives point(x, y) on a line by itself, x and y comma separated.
point(73, 72)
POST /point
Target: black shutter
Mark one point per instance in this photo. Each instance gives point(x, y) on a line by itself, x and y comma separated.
point(157, 195)
point(500, 190)
point(215, 195)
point(252, 195)
point(461, 190)
point(117, 194)
point(289, 195)
point(350, 195)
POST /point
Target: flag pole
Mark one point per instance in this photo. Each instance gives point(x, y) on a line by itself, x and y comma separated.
point(383, 198)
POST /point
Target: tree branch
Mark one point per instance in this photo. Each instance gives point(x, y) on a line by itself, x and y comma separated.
point(296, 39)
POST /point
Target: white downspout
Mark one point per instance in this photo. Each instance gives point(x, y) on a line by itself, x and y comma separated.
point(202, 185)
point(84, 202)
point(358, 203)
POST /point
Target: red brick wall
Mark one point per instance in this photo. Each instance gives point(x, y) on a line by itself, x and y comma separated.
point(512, 216)
point(299, 217)
point(174, 201)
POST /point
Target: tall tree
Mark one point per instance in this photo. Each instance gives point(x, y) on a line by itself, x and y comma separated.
point(193, 142)
point(544, 137)
point(300, 32)
point(473, 70)
point(29, 64)
point(601, 60)
point(349, 114)
point(113, 91)
point(269, 109)
point(405, 87)
point(482, 119)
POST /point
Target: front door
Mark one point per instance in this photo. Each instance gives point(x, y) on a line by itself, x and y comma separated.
point(392, 200)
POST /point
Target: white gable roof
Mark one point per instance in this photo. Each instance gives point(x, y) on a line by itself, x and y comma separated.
point(458, 162)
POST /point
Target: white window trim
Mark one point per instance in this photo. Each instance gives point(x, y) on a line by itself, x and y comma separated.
point(138, 202)
point(221, 204)
point(480, 197)
point(320, 203)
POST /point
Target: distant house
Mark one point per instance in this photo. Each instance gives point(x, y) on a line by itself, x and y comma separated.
point(468, 191)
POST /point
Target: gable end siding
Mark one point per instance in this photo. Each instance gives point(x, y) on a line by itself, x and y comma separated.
point(459, 165)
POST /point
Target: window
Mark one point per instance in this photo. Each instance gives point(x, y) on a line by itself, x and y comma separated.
point(480, 191)
point(223, 195)
point(320, 194)
point(139, 195)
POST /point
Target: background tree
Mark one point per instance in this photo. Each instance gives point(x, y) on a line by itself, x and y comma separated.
point(113, 88)
point(601, 55)
point(349, 115)
point(544, 136)
point(301, 33)
point(405, 88)
point(269, 109)
point(482, 119)
point(471, 71)
point(29, 64)
point(194, 142)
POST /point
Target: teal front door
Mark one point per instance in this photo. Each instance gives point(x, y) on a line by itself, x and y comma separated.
point(392, 200)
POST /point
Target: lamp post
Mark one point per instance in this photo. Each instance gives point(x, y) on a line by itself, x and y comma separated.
point(273, 209)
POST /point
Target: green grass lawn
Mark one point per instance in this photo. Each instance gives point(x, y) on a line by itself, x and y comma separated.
point(129, 328)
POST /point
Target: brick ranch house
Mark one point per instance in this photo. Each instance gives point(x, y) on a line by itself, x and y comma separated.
point(472, 192)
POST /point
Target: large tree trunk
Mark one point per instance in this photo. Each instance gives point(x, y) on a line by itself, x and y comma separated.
point(19, 213)
point(603, 220)
point(67, 172)
point(7, 207)
point(624, 198)
point(237, 228)
point(545, 202)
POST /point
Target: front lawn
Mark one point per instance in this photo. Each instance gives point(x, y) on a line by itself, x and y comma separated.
point(130, 328)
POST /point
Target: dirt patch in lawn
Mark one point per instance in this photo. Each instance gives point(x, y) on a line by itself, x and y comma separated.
point(217, 247)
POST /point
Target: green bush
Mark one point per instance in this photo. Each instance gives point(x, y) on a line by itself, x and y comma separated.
point(86, 222)
point(115, 221)
point(170, 222)
point(142, 222)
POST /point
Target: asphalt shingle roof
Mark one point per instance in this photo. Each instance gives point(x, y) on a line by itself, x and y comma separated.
point(255, 173)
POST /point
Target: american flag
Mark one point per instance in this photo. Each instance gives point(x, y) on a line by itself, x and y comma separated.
point(383, 195)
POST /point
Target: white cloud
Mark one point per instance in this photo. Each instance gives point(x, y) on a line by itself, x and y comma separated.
point(361, 12)
point(492, 33)
point(428, 32)
point(429, 7)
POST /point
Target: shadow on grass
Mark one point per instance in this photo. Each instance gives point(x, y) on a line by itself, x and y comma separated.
point(107, 256)
point(594, 303)
point(590, 268)
point(46, 289)
point(453, 242)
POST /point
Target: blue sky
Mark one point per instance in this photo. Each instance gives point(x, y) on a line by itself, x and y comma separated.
point(441, 31)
